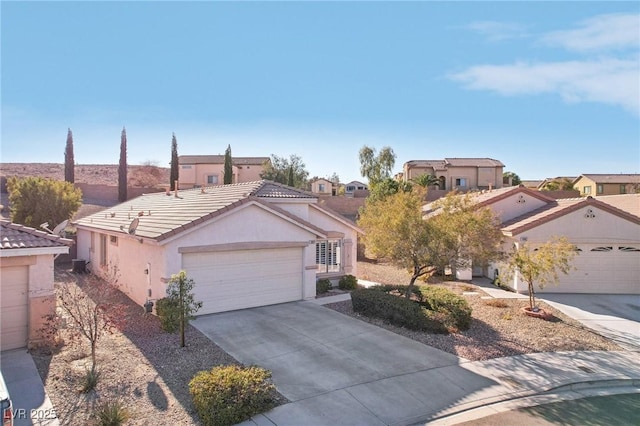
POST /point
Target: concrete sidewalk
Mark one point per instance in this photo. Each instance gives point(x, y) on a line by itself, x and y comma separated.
point(31, 405)
point(441, 394)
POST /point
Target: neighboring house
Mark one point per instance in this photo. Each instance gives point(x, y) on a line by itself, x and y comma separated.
point(245, 245)
point(600, 184)
point(606, 232)
point(356, 189)
point(323, 187)
point(26, 282)
point(533, 184)
point(208, 170)
point(458, 173)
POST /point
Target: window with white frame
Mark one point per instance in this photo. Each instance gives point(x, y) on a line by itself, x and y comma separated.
point(461, 182)
point(328, 255)
point(212, 179)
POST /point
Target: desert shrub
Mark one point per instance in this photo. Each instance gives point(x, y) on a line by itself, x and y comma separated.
point(112, 413)
point(396, 310)
point(168, 311)
point(496, 303)
point(348, 282)
point(226, 395)
point(442, 300)
point(400, 290)
point(90, 380)
point(322, 286)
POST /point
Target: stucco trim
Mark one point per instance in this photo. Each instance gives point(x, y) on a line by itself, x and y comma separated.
point(252, 245)
point(337, 217)
point(35, 251)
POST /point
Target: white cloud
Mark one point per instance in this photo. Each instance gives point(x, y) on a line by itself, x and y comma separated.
point(611, 81)
point(498, 31)
point(603, 32)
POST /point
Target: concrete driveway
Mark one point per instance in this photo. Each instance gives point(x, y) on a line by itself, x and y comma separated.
point(339, 370)
point(616, 316)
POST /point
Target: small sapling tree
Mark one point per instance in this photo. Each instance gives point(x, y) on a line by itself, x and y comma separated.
point(542, 264)
point(180, 291)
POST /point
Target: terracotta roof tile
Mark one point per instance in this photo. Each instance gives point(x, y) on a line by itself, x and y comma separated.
point(15, 236)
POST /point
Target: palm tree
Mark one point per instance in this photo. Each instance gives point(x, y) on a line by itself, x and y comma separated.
point(426, 180)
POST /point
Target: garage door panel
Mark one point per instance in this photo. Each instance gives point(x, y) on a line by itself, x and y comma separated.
point(245, 278)
point(13, 307)
point(600, 270)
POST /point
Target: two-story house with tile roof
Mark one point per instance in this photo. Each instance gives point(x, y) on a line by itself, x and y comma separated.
point(603, 184)
point(207, 170)
point(458, 173)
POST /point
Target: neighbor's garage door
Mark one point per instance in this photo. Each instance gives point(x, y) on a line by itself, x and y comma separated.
point(14, 299)
point(240, 279)
point(602, 269)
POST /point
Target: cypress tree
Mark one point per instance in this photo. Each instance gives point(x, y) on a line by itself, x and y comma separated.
point(228, 166)
point(122, 169)
point(69, 163)
point(174, 174)
point(290, 180)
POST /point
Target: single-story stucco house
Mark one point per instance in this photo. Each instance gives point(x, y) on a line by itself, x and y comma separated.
point(26, 282)
point(245, 245)
point(605, 230)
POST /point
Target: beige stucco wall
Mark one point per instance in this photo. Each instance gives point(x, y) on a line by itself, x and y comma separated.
point(350, 249)
point(515, 205)
point(249, 173)
point(315, 186)
point(196, 174)
point(583, 230)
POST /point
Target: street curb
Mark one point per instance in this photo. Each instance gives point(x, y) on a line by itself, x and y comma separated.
point(571, 391)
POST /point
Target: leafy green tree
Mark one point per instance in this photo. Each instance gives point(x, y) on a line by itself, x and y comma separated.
point(395, 231)
point(465, 233)
point(122, 168)
point(515, 179)
point(426, 180)
point(334, 178)
point(542, 264)
point(36, 200)
point(69, 163)
point(228, 166)
point(174, 174)
point(388, 186)
point(278, 170)
point(455, 235)
point(180, 291)
point(376, 167)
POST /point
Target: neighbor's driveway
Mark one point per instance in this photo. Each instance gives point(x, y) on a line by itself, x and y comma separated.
point(616, 316)
point(339, 370)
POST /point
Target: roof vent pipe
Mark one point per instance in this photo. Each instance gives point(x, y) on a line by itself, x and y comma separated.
point(176, 189)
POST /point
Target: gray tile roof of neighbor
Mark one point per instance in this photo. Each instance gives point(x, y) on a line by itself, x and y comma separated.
point(613, 178)
point(15, 236)
point(162, 215)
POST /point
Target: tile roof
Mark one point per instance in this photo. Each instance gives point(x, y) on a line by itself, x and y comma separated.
point(614, 178)
point(485, 197)
point(562, 207)
point(161, 216)
point(474, 162)
point(219, 159)
point(455, 162)
point(629, 203)
point(14, 236)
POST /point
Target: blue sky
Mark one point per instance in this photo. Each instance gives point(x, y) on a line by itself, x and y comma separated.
point(548, 88)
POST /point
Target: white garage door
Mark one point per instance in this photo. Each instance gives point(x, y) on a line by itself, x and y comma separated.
point(14, 307)
point(229, 280)
point(602, 269)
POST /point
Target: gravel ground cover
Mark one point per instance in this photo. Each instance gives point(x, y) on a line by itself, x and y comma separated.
point(142, 366)
point(499, 328)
